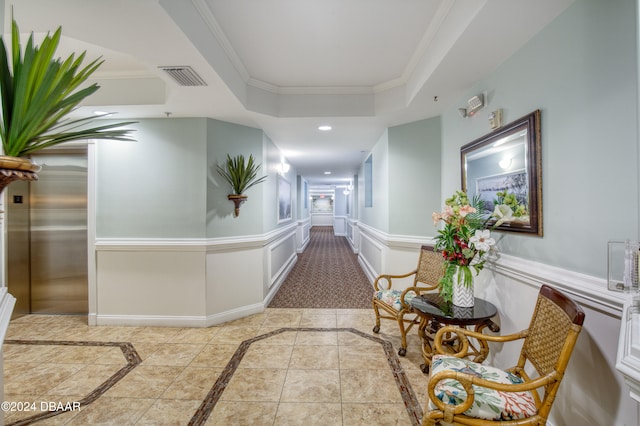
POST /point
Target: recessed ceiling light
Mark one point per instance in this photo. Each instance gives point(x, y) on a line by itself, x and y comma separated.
point(324, 128)
point(327, 173)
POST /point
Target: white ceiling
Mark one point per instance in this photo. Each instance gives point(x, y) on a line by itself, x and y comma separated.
point(287, 66)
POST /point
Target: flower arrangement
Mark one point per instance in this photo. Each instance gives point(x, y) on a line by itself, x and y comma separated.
point(463, 240)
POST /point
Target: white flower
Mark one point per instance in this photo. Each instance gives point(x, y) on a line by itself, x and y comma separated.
point(503, 213)
point(482, 240)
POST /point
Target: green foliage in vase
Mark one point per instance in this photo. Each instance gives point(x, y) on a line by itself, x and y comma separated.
point(463, 240)
point(39, 91)
point(240, 175)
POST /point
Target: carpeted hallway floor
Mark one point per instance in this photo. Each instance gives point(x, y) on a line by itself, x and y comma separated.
point(326, 275)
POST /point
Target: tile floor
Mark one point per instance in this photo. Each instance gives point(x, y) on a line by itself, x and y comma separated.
point(280, 367)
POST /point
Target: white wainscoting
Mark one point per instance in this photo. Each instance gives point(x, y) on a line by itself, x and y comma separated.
point(353, 235)
point(189, 282)
point(7, 303)
point(371, 255)
point(322, 219)
point(302, 234)
point(279, 258)
point(340, 225)
point(628, 358)
point(382, 253)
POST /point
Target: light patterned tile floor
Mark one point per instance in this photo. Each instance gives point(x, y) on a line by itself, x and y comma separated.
point(280, 367)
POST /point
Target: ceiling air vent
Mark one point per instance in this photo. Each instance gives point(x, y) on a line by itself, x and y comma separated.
point(184, 76)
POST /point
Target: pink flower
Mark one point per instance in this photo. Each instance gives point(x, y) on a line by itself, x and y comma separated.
point(447, 213)
point(436, 218)
point(465, 210)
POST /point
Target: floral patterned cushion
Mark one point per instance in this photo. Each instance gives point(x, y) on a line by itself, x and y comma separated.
point(392, 297)
point(489, 404)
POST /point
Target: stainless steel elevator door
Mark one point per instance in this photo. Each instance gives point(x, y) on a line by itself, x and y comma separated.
point(58, 234)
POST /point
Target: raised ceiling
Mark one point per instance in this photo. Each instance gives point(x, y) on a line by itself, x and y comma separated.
point(287, 66)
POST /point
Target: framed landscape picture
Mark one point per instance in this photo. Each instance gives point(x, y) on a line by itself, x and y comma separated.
point(284, 199)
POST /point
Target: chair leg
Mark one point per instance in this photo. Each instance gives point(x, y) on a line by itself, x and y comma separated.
point(376, 328)
point(403, 336)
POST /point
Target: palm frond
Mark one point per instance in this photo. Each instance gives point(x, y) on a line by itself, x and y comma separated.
point(239, 175)
point(39, 91)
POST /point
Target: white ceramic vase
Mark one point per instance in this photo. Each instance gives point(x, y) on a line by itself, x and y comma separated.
point(462, 294)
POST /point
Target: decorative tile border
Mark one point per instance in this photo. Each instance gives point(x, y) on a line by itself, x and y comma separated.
point(404, 387)
point(130, 355)
point(414, 410)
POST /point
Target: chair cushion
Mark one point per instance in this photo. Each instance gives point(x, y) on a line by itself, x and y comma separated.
point(489, 404)
point(392, 297)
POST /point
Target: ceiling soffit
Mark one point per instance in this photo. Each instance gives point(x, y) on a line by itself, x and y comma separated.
point(271, 74)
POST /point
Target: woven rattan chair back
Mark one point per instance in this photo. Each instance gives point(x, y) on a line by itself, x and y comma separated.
point(555, 323)
point(553, 331)
point(425, 279)
point(430, 268)
point(552, 334)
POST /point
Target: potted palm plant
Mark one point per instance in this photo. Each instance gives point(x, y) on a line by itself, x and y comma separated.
point(241, 176)
point(38, 92)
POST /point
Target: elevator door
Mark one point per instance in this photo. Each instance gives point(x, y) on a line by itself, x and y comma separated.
point(57, 234)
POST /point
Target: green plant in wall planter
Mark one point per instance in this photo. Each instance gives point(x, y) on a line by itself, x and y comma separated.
point(241, 176)
point(38, 92)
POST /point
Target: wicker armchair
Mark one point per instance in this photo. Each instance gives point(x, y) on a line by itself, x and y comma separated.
point(395, 302)
point(466, 393)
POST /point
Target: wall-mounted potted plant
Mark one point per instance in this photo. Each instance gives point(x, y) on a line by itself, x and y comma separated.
point(241, 176)
point(38, 92)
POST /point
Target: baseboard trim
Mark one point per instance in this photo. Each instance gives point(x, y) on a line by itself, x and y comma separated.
point(235, 314)
point(180, 321)
point(152, 320)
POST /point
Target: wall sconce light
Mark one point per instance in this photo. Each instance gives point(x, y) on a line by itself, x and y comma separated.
point(474, 104)
point(284, 167)
point(505, 163)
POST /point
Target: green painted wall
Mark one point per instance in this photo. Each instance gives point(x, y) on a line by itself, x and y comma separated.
point(165, 185)
point(376, 216)
point(414, 177)
point(270, 216)
point(581, 73)
point(153, 188)
point(406, 180)
point(224, 138)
